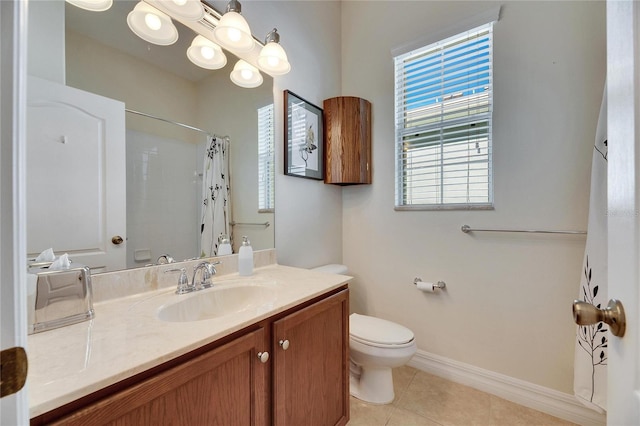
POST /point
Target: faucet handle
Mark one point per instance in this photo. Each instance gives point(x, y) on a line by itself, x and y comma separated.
point(208, 271)
point(164, 259)
point(212, 267)
point(183, 281)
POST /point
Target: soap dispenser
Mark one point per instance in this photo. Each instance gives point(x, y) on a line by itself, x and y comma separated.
point(224, 247)
point(245, 258)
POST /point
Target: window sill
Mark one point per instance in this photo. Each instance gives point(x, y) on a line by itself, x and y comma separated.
point(436, 207)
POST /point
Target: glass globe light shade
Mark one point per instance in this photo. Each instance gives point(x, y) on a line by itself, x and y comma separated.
point(206, 54)
point(246, 75)
point(273, 59)
point(151, 25)
point(191, 10)
point(92, 5)
point(233, 32)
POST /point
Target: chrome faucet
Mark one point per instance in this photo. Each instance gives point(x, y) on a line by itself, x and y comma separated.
point(208, 270)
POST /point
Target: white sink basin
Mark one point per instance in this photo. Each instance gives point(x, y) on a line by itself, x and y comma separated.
point(217, 302)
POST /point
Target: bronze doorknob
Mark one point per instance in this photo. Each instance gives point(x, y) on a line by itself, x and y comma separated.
point(586, 314)
point(117, 240)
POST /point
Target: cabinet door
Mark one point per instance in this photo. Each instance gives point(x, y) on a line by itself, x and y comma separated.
point(347, 140)
point(311, 376)
point(226, 386)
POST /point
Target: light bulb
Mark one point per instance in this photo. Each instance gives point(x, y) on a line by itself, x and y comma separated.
point(246, 74)
point(152, 21)
point(207, 52)
point(273, 61)
point(234, 34)
point(180, 2)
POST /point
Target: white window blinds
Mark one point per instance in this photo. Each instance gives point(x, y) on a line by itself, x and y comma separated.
point(443, 109)
point(266, 159)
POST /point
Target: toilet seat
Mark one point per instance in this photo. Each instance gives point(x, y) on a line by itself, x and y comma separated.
point(377, 332)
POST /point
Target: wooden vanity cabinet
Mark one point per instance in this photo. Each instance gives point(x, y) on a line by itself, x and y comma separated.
point(225, 386)
point(311, 376)
point(305, 384)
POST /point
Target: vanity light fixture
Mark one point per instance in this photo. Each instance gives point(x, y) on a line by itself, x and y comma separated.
point(232, 31)
point(191, 10)
point(273, 58)
point(92, 5)
point(246, 75)
point(151, 25)
point(151, 20)
point(206, 54)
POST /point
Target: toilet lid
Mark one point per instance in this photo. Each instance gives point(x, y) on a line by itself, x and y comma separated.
point(377, 330)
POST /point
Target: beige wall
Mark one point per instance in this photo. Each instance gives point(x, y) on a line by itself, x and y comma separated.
point(507, 307)
point(308, 219)
point(103, 70)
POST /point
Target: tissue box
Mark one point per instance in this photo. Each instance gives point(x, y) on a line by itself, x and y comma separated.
point(60, 298)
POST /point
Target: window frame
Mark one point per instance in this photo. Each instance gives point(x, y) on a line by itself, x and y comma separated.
point(266, 159)
point(401, 132)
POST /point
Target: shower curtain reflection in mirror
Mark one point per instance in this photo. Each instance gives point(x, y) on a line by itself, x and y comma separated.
point(216, 196)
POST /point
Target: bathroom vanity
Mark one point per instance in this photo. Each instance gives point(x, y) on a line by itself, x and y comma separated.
point(282, 360)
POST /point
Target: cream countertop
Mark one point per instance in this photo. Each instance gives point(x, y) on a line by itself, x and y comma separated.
point(125, 337)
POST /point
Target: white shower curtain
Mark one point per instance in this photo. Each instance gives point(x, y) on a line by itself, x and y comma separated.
point(590, 365)
point(216, 197)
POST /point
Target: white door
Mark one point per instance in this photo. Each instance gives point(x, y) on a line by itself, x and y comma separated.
point(13, 329)
point(623, 91)
point(76, 172)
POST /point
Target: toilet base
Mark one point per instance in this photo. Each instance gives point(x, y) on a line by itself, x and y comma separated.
point(374, 386)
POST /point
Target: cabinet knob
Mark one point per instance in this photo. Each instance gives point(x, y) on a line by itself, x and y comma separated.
point(263, 357)
point(284, 344)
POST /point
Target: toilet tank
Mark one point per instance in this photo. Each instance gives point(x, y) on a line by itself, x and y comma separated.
point(333, 268)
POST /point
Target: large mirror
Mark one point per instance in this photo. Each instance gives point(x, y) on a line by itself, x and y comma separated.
point(164, 161)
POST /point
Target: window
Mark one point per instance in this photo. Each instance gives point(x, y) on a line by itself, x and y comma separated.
point(443, 97)
point(266, 158)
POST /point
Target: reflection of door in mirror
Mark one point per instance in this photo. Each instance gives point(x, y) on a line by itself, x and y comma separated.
point(161, 81)
point(75, 175)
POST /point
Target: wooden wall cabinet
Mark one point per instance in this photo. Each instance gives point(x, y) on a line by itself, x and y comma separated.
point(347, 130)
point(304, 382)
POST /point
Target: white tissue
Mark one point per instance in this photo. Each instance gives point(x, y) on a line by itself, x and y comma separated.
point(46, 256)
point(62, 262)
point(425, 286)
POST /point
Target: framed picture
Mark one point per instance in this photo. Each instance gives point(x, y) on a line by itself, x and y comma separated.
point(303, 138)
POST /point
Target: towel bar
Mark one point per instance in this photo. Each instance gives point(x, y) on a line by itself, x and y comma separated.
point(466, 229)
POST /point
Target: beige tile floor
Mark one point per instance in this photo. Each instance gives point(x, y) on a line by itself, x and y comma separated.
point(426, 400)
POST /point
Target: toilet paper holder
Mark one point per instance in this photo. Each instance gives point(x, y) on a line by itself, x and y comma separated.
point(439, 285)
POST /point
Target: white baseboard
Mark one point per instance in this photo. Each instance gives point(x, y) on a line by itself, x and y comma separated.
point(550, 401)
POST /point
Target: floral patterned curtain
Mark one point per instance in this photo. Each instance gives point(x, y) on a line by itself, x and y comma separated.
point(216, 196)
point(590, 364)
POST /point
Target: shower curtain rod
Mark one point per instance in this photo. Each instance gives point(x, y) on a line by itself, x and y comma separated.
point(186, 126)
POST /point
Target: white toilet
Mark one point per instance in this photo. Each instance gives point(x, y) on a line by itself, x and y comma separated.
point(376, 346)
